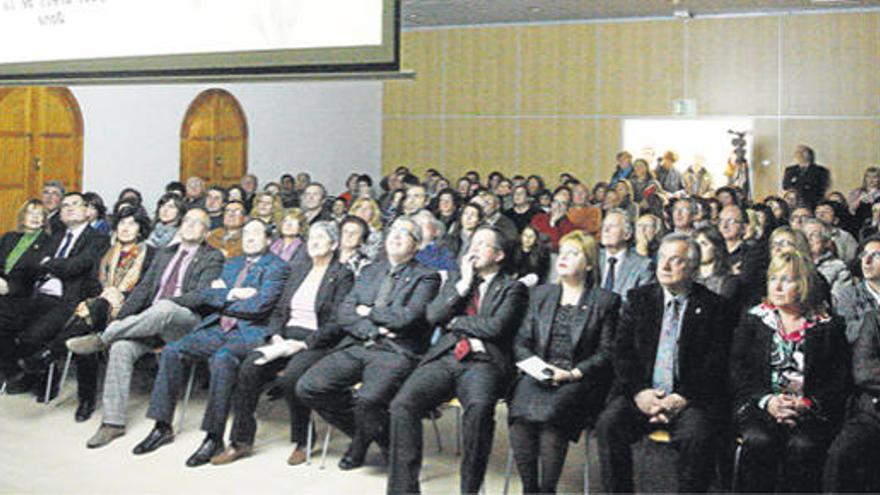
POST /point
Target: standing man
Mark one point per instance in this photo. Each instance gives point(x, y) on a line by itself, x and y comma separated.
point(384, 317)
point(242, 300)
point(808, 178)
point(671, 364)
point(479, 311)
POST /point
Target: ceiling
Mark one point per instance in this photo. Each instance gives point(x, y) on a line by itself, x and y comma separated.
point(426, 13)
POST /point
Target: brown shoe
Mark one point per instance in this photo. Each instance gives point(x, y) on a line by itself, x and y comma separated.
point(297, 457)
point(232, 453)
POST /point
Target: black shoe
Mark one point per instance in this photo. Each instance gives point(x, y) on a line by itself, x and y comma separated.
point(157, 438)
point(209, 448)
point(351, 460)
point(36, 363)
point(84, 410)
point(20, 383)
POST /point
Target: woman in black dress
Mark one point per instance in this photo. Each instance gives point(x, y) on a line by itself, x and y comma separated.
point(569, 326)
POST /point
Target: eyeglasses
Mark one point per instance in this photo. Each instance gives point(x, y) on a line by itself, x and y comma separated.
point(781, 243)
point(870, 256)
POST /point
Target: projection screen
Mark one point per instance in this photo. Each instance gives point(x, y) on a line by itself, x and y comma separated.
point(117, 40)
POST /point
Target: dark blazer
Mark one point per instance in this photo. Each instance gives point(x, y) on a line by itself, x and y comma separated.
point(78, 272)
point(866, 366)
point(704, 340)
point(335, 284)
point(267, 275)
point(202, 270)
point(414, 287)
point(495, 323)
point(23, 274)
point(811, 182)
point(592, 331)
point(826, 366)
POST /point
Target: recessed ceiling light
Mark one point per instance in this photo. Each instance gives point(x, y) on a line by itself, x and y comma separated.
point(535, 10)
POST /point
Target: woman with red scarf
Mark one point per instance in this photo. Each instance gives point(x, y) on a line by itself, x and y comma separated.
point(790, 369)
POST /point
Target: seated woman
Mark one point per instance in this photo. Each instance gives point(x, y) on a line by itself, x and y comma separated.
point(367, 209)
point(304, 329)
point(531, 257)
point(789, 365)
point(292, 228)
point(459, 236)
point(267, 207)
point(714, 270)
point(569, 325)
point(169, 212)
point(353, 234)
point(118, 272)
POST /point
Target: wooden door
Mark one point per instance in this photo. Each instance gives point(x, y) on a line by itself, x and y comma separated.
point(41, 138)
point(213, 139)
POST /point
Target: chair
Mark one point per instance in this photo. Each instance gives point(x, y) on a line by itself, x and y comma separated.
point(737, 456)
point(508, 472)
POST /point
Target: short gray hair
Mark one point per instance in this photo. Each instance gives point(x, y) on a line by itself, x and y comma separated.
point(628, 227)
point(695, 254)
point(328, 227)
point(825, 228)
point(415, 229)
point(425, 216)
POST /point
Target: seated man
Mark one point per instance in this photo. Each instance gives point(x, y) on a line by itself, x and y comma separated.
point(68, 274)
point(671, 364)
point(479, 312)
point(241, 299)
point(857, 301)
point(621, 268)
point(228, 237)
point(163, 307)
point(384, 317)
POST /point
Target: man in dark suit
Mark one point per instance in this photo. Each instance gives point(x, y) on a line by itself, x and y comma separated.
point(621, 268)
point(163, 307)
point(491, 205)
point(241, 301)
point(68, 274)
point(671, 362)
point(808, 178)
point(384, 317)
point(479, 311)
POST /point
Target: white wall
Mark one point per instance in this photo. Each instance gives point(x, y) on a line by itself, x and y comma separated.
point(329, 129)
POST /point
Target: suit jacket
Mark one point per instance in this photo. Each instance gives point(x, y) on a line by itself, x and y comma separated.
point(267, 275)
point(78, 272)
point(495, 323)
point(592, 330)
point(866, 365)
point(335, 284)
point(23, 274)
point(826, 365)
point(202, 270)
point(703, 344)
point(855, 303)
point(413, 289)
point(811, 182)
point(634, 271)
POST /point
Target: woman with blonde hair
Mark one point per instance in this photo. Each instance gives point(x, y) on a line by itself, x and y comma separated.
point(267, 207)
point(790, 367)
point(367, 209)
point(292, 229)
point(568, 330)
point(22, 250)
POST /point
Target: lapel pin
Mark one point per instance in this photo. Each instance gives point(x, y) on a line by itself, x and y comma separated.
point(699, 310)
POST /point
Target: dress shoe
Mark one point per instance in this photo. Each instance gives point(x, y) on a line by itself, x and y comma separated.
point(297, 457)
point(232, 453)
point(20, 383)
point(351, 460)
point(37, 362)
point(87, 344)
point(209, 448)
point(157, 438)
point(105, 435)
point(84, 410)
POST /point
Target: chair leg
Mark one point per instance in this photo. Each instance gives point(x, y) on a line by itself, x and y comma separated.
point(66, 369)
point(326, 444)
point(586, 462)
point(734, 485)
point(508, 471)
point(3, 388)
point(437, 434)
point(309, 441)
point(49, 382)
point(189, 386)
point(458, 428)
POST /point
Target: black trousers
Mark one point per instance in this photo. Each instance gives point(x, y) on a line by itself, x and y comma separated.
point(251, 380)
point(779, 458)
point(621, 424)
point(28, 324)
point(361, 414)
point(854, 456)
point(478, 384)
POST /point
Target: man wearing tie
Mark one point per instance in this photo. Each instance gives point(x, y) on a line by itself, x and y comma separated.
point(671, 365)
point(69, 274)
point(242, 299)
point(384, 317)
point(479, 312)
point(621, 267)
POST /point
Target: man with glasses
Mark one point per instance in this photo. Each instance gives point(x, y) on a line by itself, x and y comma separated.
point(683, 212)
point(856, 301)
point(387, 332)
point(748, 259)
point(53, 191)
point(832, 268)
point(227, 239)
point(799, 215)
point(671, 364)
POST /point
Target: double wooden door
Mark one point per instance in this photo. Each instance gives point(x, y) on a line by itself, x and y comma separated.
point(41, 139)
point(213, 139)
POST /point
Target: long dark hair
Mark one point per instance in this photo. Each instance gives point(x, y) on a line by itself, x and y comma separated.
point(722, 257)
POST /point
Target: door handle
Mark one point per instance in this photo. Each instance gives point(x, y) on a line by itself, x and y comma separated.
point(36, 163)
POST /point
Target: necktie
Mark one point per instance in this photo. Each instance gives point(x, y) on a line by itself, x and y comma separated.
point(667, 348)
point(463, 346)
point(228, 322)
point(383, 295)
point(173, 278)
point(65, 246)
point(609, 278)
